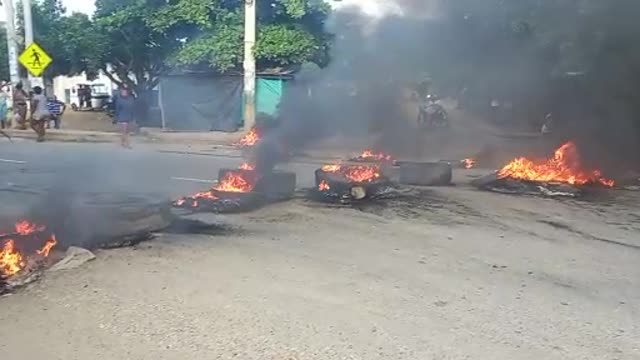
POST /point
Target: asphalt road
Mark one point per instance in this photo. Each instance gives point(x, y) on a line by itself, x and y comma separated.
point(449, 273)
point(27, 170)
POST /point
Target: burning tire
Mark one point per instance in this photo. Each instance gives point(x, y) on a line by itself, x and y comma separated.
point(272, 186)
point(350, 182)
point(425, 174)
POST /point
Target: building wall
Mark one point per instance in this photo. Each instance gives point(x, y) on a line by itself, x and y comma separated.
point(65, 87)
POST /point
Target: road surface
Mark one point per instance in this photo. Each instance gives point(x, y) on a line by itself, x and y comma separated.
point(452, 273)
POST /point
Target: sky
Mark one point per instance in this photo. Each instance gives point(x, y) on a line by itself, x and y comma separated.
point(85, 6)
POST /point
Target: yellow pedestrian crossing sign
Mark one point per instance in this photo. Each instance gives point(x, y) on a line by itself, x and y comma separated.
point(35, 59)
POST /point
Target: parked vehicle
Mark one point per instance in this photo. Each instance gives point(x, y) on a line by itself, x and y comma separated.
point(99, 96)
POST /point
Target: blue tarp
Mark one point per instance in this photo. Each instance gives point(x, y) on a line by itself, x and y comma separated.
point(214, 103)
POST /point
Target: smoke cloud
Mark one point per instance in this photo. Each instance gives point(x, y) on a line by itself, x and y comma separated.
point(381, 50)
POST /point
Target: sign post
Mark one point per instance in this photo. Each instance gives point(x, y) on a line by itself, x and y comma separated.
point(35, 60)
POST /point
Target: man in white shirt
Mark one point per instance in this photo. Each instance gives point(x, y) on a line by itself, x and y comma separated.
point(39, 113)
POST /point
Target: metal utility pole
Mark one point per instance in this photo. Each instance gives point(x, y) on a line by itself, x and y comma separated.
point(11, 43)
point(249, 64)
point(28, 40)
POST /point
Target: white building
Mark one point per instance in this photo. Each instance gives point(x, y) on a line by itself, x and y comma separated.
point(65, 88)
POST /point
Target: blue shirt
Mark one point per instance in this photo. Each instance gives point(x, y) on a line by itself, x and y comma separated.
point(55, 107)
point(125, 110)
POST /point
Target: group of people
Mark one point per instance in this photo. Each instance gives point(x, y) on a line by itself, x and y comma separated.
point(46, 110)
point(43, 110)
point(84, 96)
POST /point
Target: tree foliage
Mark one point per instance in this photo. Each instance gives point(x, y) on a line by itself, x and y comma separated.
point(290, 32)
point(135, 41)
point(5, 75)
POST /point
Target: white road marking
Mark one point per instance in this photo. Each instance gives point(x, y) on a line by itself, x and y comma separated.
point(194, 180)
point(12, 161)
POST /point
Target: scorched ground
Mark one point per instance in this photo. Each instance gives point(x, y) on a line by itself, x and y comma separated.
point(451, 273)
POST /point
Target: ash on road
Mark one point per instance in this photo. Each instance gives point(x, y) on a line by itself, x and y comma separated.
point(448, 273)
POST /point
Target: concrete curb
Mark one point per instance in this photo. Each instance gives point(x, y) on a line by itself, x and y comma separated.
point(89, 137)
point(78, 136)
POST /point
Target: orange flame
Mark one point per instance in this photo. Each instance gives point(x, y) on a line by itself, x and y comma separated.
point(331, 168)
point(563, 167)
point(25, 227)
point(356, 173)
point(247, 166)
point(324, 186)
point(250, 139)
point(469, 163)
point(11, 261)
point(370, 154)
point(234, 182)
point(362, 173)
point(209, 195)
point(46, 249)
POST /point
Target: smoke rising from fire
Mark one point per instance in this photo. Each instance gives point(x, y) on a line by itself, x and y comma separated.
point(381, 52)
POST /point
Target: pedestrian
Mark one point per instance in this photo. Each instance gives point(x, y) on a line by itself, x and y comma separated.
point(39, 113)
point(81, 96)
point(56, 110)
point(125, 109)
point(4, 109)
point(88, 96)
point(20, 98)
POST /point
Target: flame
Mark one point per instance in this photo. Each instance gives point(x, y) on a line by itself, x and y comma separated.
point(358, 173)
point(331, 168)
point(209, 195)
point(371, 155)
point(362, 173)
point(46, 249)
point(234, 182)
point(468, 163)
point(247, 166)
point(11, 261)
point(25, 227)
point(250, 139)
point(563, 167)
point(324, 186)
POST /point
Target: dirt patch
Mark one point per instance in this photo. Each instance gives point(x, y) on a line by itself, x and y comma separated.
point(87, 120)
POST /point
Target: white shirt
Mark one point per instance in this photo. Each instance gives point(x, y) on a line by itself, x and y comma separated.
point(41, 109)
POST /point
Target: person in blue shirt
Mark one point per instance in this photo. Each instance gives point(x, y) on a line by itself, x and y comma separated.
point(4, 109)
point(56, 109)
point(124, 114)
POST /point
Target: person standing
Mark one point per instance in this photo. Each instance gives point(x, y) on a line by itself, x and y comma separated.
point(56, 110)
point(4, 109)
point(39, 113)
point(125, 110)
point(81, 96)
point(20, 98)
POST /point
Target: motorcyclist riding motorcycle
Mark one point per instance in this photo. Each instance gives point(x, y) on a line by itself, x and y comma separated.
point(431, 114)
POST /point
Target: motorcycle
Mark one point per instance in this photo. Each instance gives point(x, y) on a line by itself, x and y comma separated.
point(432, 115)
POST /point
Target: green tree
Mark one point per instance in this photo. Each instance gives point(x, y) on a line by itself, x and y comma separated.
point(128, 50)
point(290, 32)
point(4, 57)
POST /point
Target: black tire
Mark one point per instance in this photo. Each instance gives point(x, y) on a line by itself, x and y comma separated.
point(425, 174)
point(110, 220)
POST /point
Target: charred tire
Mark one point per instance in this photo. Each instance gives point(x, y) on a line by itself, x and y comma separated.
point(105, 220)
point(425, 174)
point(277, 186)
